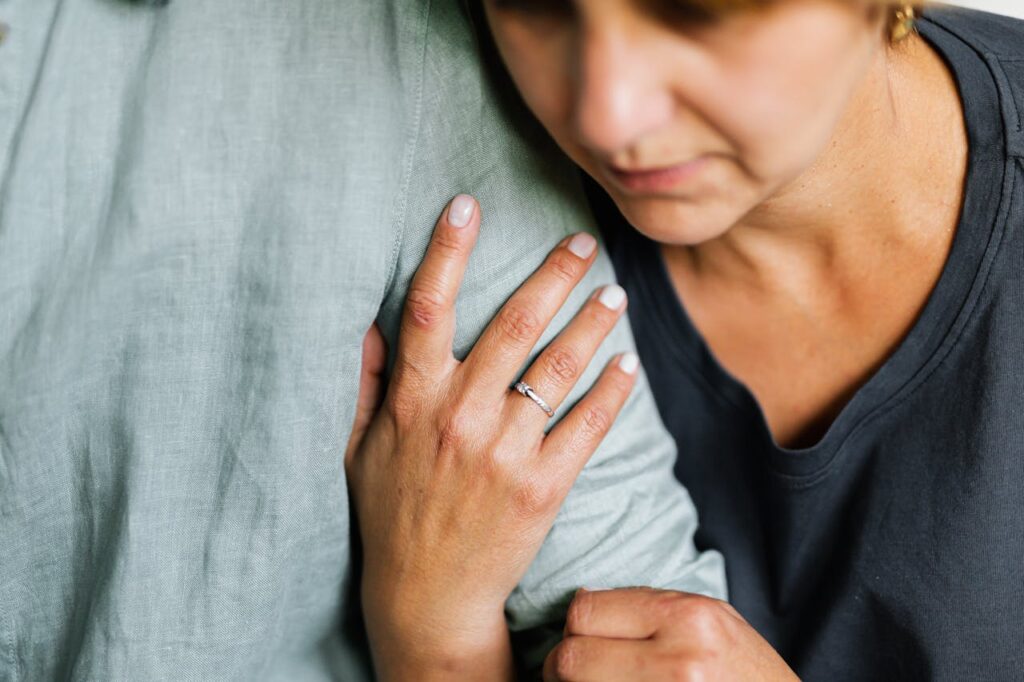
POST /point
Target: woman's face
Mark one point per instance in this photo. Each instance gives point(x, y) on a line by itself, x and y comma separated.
point(689, 123)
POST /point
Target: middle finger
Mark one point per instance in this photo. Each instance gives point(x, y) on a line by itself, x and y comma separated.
point(559, 366)
point(506, 343)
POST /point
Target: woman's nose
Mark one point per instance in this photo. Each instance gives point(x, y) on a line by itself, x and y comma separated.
point(618, 97)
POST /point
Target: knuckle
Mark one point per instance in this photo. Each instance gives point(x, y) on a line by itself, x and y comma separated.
point(567, 656)
point(596, 420)
point(561, 364)
point(579, 612)
point(669, 606)
point(531, 498)
point(704, 618)
point(446, 243)
point(518, 322)
point(563, 268)
point(425, 305)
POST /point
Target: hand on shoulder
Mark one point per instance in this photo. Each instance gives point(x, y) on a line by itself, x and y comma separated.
point(455, 482)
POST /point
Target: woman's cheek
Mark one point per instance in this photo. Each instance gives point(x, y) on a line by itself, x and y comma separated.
point(774, 141)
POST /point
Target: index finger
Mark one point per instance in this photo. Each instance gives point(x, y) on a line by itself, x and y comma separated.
point(428, 319)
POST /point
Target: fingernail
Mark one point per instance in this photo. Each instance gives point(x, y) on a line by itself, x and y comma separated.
point(583, 245)
point(612, 296)
point(461, 210)
point(629, 362)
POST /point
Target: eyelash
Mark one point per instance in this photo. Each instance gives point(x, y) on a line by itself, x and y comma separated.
point(533, 6)
point(689, 14)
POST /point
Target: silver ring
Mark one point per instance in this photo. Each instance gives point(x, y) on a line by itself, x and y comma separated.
point(525, 389)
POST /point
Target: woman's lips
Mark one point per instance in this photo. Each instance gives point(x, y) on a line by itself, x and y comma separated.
point(658, 179)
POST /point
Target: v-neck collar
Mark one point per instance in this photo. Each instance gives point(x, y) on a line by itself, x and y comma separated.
point(937, 328)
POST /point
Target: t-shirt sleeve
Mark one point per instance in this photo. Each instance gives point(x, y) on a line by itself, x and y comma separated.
point(627, 521)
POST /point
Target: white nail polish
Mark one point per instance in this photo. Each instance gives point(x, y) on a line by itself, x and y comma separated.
point(582, 245)
point(612, 296)
point(629, 362)
point(461, 210)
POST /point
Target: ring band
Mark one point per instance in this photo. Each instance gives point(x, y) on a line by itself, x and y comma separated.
point(525, 389)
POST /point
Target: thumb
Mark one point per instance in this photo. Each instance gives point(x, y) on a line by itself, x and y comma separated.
point(371, 386)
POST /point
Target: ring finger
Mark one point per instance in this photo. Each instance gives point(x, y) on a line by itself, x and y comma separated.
point(558, 368)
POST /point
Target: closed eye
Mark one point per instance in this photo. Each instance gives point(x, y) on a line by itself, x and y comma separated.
point(673, 12)
point(552, 7)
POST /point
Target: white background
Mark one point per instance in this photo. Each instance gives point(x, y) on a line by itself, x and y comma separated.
point(1015, 8)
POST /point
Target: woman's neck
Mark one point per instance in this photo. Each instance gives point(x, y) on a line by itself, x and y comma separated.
point(890, 181)
point(809, 294)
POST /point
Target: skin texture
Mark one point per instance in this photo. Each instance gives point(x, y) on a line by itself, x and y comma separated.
point(454, 481)
point(659, 635)
point(803, 249)
point(626, 84)
point(806, 246)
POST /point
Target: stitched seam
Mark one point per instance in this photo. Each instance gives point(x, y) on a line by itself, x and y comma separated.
point(408, 162)
point(1015, 141)
point(994, 61)
point(1014, 144)
point(798, 482)
point(960, 323)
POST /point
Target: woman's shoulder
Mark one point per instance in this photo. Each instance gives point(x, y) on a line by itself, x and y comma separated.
point(999, 42)
point(994, 35)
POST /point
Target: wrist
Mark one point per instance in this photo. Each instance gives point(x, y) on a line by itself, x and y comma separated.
point(432, 620)
point(421, 630)
point(426, 652)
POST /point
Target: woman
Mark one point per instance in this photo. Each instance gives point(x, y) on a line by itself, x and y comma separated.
point(818, 215)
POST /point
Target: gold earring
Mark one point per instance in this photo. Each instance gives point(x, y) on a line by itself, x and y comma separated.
point(903, 23)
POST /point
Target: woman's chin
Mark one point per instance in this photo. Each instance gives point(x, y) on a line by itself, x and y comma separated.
point(678, 222)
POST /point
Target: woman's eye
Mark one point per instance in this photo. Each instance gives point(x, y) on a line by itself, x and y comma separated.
point(693, 15)
point(547, 7)
point(690, 13)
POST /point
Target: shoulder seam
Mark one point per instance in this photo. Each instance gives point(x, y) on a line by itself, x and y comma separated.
point(1015, 127)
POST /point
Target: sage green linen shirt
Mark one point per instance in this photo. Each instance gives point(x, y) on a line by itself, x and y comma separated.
point(203, 206)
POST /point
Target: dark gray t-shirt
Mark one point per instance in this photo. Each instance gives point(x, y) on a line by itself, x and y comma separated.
point(894, 547)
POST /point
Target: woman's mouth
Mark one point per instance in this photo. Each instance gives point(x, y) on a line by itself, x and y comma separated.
point(660, 179)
